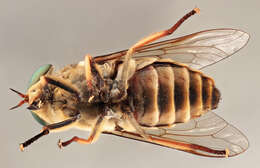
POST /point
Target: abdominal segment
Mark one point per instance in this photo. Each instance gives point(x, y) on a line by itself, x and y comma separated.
point(165, 93)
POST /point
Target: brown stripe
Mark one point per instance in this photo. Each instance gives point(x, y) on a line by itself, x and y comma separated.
point(196, 104)
point(215, 98)
point(181, 94)
point(166, 95)
point(207, 93)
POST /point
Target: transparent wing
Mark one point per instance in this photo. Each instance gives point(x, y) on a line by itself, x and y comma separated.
point(208, 135)
point(197, 50)
point(200, 49)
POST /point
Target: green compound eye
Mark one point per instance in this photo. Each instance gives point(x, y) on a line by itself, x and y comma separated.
point(37, 74)
point(34, 79)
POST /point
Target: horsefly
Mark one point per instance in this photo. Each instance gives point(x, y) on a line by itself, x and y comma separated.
point(153, 93)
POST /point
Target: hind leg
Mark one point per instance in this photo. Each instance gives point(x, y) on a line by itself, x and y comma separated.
point(120, 85)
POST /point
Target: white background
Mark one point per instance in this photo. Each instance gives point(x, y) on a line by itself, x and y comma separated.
point(60, 32)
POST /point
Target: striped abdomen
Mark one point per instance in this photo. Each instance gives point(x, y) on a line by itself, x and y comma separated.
point(164, 94)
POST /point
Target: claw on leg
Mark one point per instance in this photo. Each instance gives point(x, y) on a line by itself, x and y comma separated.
point(21, 147)
point(59, 144)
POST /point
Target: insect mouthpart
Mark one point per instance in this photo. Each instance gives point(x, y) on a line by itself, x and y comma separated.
point(33, 107)
point(25, 100)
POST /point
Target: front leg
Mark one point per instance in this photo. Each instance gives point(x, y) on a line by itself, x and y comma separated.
point(48, 128)
point(100, 89)
point(97, 86)
point(96, 131)
point(94, 135)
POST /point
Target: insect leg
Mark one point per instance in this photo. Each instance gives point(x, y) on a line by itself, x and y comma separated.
point(88, 72)
point(96, 84)
point(171, 143)
point(47, 129)
point(134, 123)
point(94, 135)
point(61, 84)
point(131, 119)
point(191, 148)
point(153, 37)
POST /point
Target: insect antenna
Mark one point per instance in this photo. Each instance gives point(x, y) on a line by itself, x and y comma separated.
point(25, 100)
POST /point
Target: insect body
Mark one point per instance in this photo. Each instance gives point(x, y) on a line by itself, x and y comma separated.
point(151, 92)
